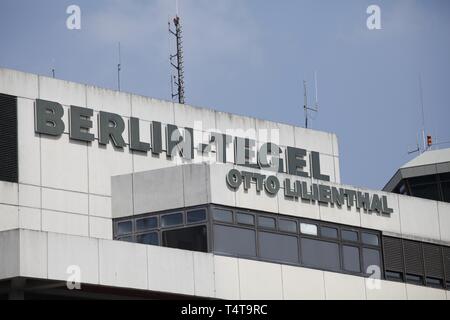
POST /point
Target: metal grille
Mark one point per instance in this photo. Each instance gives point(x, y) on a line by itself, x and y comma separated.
point(8, 138)
point(433, 261)
point(413, 257)
point(446, 252)
point(393, 254)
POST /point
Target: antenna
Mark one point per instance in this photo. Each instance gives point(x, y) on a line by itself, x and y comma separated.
point(176, 60)
point(119, 65)
point(53, 67)
point(307, 108)
point(423, 113)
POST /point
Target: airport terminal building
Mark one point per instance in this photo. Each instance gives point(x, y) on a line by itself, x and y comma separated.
point(106, 194)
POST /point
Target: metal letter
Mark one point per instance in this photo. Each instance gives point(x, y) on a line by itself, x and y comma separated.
point(110, 126)
point(80, 123)
point(48, 118)
point(135, 141)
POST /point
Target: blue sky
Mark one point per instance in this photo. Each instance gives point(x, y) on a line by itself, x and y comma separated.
point(250, 57)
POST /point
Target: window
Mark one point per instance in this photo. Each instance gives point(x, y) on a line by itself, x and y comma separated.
point(370, 239)
point(349, 235)
point(351, 258)
point(278, 247)
point(287, 225)
point(234, 241)
point(266, 222)
point(124, 227)
point(196, 216)
point(148, 238)
point(320, 254)
point(371, 260)
point(307, 228)
point(172, 219)
point(245, 218)
point(127, 239)
point(190, 238)
point(146, 223)
point(329, 232)
point(412, 278)
point(393, 275)
point(223, 215)
point(433, 282)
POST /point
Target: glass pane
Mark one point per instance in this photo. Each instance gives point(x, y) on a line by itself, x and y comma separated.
point(146, 223)
point(393, 275)
point(265, 222)
point(196, 216)
point(412, 278)
point(426, 191)
point(369, 238)
point(287, 225)
point(124, 227)
point(371, 260)
point(245, 218)
point(320, 254)
point(235, 241)
point(278, 247)
point(349, 235)
point(307, 228)
point(191, 238)
point(148, 238)
point(171, 219)
point(433, 282)
point(351, 258)
point(329, 232)
point(127, 239)
point(223, 215)
point(446, 190)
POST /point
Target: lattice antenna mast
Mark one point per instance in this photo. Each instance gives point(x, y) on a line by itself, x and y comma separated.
point(307, 108)
point(176, 61)
point(119, 68)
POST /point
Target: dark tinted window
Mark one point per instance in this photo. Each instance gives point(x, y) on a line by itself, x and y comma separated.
point(426, 191)
point(433, 282)
point(266, 222)
point(287, 225)
point(245, 218)
point(124, 227)
point(412, 278)
point(278, 247)
point(127, 239)
point(171, 219)
point(369, 238)
point(422, 180)
point(196, 216)
point(392, 275)
point(146, 223)
point(351, 258)
point(329, 232)
point(349, 235)
point(446, 190)
point(371, 257)
point(235, 241)
point(148, 238)
point(8, 139)
point(223, 215)
point(320, 254)
point(190, 238)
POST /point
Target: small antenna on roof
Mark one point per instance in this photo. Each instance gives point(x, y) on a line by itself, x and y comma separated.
point(53, 68)
point(119, 65)
point(176, 60)
point(307, 108)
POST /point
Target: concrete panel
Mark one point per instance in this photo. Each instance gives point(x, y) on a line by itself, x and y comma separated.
point(444, 220)
point(337, 170)
point(158, 190)
point(18, 83)
point(149, 161)
point(108, 100)
point(195, 183)
point(268, 131)
point(9, 217)
point(67, 201)
point(419, 217)
point(219, 191)
point(33, 254)
point(380, 222)
point(29, 147)
point(105, 162)
point(297, 207)
point(226, 277)
point(64, 163)
point(251, 274)
point(9, 193)
point(115, 260)
point(199, 118)
point(100, 206)
point(122, 195)
point(236, 126)
point(204, 274)
point(327, 167)
point(388, 290)
point(344, 215)
point(29, 196)
point(257, 201)
point(302, 283)
point(313, 140)
point(170, 270)
point(152, 110)
point(344, 287)
point(63, 92)
point(66, 251)
point(100, 228)
point(61, 222)
point(29, 218)
point(424, 293)
point(9, 251)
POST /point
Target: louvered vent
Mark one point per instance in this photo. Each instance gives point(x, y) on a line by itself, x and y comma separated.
point(413, 257)
point(8, 138)
point(393, 254)
point(433, 261)
point(447, 262)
